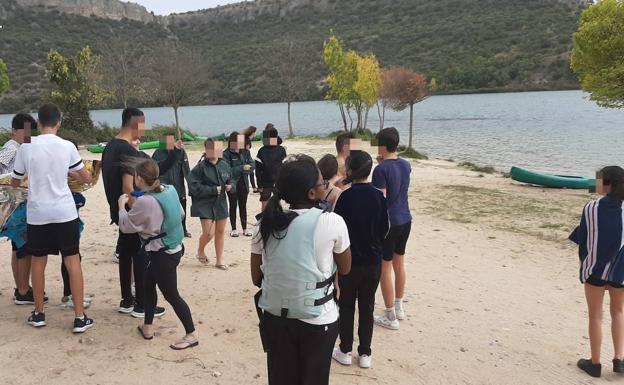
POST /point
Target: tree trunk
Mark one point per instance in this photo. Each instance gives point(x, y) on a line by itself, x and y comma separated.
point(290, 127)
point(381, 122)
point(383, 115)
point(342, 114)
point(350, 119)
point(411, 126)
point(366, 117)
point(177, 120)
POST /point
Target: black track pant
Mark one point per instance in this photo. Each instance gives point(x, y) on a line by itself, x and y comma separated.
point(129, 247)
point(161, 271)
point(183, 203)
point(361, 284)
point(298, 353)
point(252, 180)
point(239, 197)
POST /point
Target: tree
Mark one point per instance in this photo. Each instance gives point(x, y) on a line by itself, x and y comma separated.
point(384, 96)
point(342, 75)
point(4, 77)
point(291, 77)
point(177, 71)
point(77, 87)
point(366, 86)
point(406, 88)
point(597, 57)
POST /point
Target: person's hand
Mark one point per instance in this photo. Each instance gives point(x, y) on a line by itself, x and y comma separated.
point(228, 187)
point(178, 144)
point(218, 190)
point(123, 199)
point(246, 167)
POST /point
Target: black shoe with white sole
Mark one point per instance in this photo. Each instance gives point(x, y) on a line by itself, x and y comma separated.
point(589, 367)
point(37, 319)
point(82, 324)
point(139, 312)
point(26, 299)
point(126, 307)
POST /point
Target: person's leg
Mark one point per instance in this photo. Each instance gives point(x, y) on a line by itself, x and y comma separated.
point(316, 344)
point(76, 282)
point(242, 194)
point(617, 321)
point(183, 204)
point(38, 280)
point(233, 201)
point(283, 355)
point(348, 294)
point(387, 284)
point(366, 306)
point(65, 277)
point(205, 238)
point(125, 267)
point(595, 296)
point(14, 268)
point(151, 297)
point(398, 266)
point(219, 235)
point(23, 274)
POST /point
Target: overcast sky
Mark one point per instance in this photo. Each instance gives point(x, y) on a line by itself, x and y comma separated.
point(165, 7)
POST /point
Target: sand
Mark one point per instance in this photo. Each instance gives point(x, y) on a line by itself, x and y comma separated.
point(492, 298)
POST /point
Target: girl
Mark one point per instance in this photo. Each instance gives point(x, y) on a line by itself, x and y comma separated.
point(290, 249)
point(600, 236)
point(249, 133)
point(209, 182)
point(157, 217)
point(242, 165)
point(328, 165)
point(367, 229)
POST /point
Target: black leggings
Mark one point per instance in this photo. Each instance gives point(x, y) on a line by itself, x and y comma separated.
point(129, 247)
point(239, 197)
point(183, 203)
point(161, 271)
point(252, 180)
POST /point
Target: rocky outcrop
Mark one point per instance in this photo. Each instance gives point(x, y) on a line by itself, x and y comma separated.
point(109, 9)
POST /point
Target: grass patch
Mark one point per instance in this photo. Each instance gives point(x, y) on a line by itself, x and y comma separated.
point(552, 226)
point(477, 168)
point(411, 153)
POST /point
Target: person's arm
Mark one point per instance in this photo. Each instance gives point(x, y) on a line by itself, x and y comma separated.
point(256, 271)
point(260, 168)
point(341, 249)
point(579, 234)
point(236, 170)
point(19, 168)
point(7, 155)
point(77, 169)
point(135, 220)
point(384, 220)
point(165, 164)
point(379, 180)
point(249, 162)
point(186, 169)
point(198, 188)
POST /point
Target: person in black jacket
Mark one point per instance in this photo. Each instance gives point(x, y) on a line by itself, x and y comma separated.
point(268, 164)
point(242, 164)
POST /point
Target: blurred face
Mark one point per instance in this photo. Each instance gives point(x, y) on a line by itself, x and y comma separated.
point(214, 150)
point(138, 127)
point(169, 142)
point(352, 145)
point(268, 140)
point(319, 191)
point(601, 188)
point(23, 135)
point(239, 144)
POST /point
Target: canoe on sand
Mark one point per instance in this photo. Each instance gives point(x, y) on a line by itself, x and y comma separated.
point(548, 180)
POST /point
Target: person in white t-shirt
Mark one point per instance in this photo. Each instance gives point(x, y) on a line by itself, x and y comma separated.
point(51, 214)
point(294, 257)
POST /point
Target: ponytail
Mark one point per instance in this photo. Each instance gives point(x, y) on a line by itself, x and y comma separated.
point(275, 221)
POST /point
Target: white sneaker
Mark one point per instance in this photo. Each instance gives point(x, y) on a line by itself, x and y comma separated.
point(400, 313)
point(115, 257)
point(383, 321)
point(68, 302)
point(342, 358)
point(248, 233)
point(234, 234)
point(365, 361)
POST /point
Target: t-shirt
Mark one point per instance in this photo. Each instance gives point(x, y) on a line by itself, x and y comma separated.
point(364, 210)
point(115, 152)
point(331, 236)
point(7, 156)
point(46, 161)
point(393, 175)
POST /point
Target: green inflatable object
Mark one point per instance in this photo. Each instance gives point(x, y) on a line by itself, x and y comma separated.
point(555, 181)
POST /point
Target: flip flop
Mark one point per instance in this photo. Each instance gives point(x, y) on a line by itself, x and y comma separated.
point(145, 337)
point(222, 267)
point(187, 344)
point(201, 259)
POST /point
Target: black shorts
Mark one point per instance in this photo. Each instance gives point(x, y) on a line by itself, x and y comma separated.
point(594, 281)
point(266, 194)
point(54, 238)
point(20, 252)
point(396, 240)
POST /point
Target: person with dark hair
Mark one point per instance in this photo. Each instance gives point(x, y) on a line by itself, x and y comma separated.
point(342, 153)
point(242, 165)
point(600, 237)
point(328, 165)
point(209, 182)
point(249, 134)
point(117, 180)
point(177, 174)
point(290, 249)
point(363, 208)
point(51, 215)
point(392, 177)
point(268, 164)
point(20, 257)
point(157, 217)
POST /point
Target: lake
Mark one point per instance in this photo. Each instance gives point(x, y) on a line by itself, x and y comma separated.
point(560, 131)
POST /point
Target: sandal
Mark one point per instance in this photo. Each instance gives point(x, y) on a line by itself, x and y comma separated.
point(222, 267)
point(185, 344)
point(202, 259)
point(145, 336)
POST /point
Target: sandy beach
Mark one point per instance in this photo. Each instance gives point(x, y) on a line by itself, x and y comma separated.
point(492, 298)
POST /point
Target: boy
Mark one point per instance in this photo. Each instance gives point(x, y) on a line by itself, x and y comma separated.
point(51, 215)
point(268, 164)
point(392, 177)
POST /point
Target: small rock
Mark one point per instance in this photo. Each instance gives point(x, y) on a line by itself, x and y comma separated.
point(257, 376)
point(200, 322)
point(463, 350)
point(216, 374)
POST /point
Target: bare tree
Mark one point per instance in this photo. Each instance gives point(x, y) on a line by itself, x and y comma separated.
point(291, 80)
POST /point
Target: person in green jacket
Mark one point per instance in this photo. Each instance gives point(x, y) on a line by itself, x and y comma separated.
point(242, 165)
point(209, 182)
point(176, 174)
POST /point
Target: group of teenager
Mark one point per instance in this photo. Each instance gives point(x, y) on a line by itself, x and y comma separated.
point(338, 236)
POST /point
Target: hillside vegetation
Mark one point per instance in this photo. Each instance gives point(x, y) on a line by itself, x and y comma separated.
point(467, 45)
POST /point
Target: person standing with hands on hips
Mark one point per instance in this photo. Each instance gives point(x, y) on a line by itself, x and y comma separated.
point(209, 182)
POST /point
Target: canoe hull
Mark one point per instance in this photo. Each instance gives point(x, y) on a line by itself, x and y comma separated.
point(554, 181)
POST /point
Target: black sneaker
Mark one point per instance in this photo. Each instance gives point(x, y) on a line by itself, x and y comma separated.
point(26, 299)
point(126, 306)
point(82, 324)
point(589, 367)
point(138, 312)
point(618, 366)
point(37, 319)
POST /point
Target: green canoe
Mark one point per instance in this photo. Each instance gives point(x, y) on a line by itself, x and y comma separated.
point(99, 148)
point(548, 180)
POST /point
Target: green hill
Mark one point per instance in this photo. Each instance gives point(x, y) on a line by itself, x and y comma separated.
point(467, 45)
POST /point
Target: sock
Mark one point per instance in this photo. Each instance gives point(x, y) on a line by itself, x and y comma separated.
point(391, 313)
point(398, 303)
